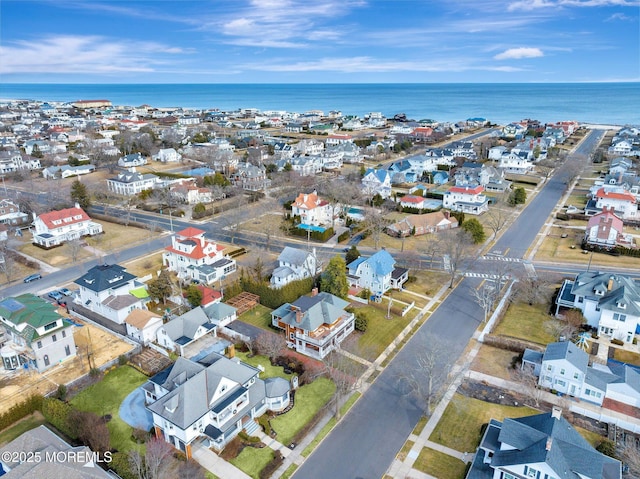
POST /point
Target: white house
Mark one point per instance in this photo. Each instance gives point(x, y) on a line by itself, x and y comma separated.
point(619, 200)
point(211, 400)
point(314, 325)
point(142, 325)
point(466, 199)
point(609, 302)
point(132, 160)
point(131, 183)
point(543, 446)
point(184, 330)
point(192, 256)
point(167, 155)
point(377, 182)
point(57, 227)
point(311, 209)
point(514, 162)
point(110, 291)
point(377, 273)
point(294, 264)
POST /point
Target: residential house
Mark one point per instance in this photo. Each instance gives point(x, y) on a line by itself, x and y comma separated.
point(250, 177)
point(609, 302)
point(211, 400)
point(417, 225)
point(10, 213)
point(186, 191)
point(314, 325)
point(294, 264)
point(66, 171)
point(58, 227)
point(132, 160)
point(466, 199)
point(41, 444)
point(167, 155)
point(12, 161)
point(131, 183)
point(621, 201)
point(220, 313)
point(110, 291)
point(496, 152)
point(179, 333)
point(606, 230)
point(377, 273)
point(540, 446)
point(376, 182)
point(142, 325)
point(38, 337)
point(564, 367)
point(619, 166)
point(312, 210)
point(412, 201)
point(514, 162)
point(622, 147)
point(192, 256)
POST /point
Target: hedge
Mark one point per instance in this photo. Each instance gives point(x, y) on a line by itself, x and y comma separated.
point(343, 236)
point(274, 298)
point(314, 235)
point(18, 411)
point(57, 413)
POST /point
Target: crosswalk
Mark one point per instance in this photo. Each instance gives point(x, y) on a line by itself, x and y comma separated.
point(485, 276)
point(500, 258)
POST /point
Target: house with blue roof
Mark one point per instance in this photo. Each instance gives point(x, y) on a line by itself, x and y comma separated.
point(377, 273)
point(543, 446)
point(377, 182)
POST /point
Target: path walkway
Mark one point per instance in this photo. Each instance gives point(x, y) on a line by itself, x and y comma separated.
point(215, 464)
point(44, 267)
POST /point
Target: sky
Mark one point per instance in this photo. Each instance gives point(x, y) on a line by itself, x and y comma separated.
point(319, 41)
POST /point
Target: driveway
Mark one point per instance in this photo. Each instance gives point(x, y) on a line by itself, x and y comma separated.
point(133, 412)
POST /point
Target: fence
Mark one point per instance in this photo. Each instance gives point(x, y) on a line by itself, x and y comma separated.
point(357, 299)
point(408, 308)
point(496, 314)
point(618, 422)
point(236, 336)
point(157, 348)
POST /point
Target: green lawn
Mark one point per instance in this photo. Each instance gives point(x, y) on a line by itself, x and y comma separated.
point(592, 438)
point(626, 356)
point(260, 317)
point(269, 370)
point(420, 426)
point(439, 465)
point(459, 427)
point(309, 399)
point(106, 396)
point(493, 361)
point(289, 472)
point(330, 425)
point(526, 322)
point(381, 331)
point(252, 460)
point(32, 421)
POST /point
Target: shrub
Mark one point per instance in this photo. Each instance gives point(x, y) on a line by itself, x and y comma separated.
point(57, 413)
point(607, 447)
point(95, 373)
point(245, 437)
point(362, 321)
point(272, 467)
point(266, 425)
point(122, 466)
point(617, 342)
point(343, 236)
point(139, 435)
point(122, 360)
point(61, 392)
point(18, 411)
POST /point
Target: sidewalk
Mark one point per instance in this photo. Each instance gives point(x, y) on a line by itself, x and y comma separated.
point(216, 465)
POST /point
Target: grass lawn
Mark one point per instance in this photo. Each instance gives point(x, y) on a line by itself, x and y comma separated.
point(309, 399)
point(426, 282)
point(26, 424)
point(526, 322)
point(626, 356)
point(106, 396)
point(592, 438)
point(380, 331)
point(439, 465)
point(269, 370)
point(289, 472)
point(260, 317)
point(252, 460)
point(56, 256)
point(117, 236)
point(144, 266)
point(403, 299)
point(330, 425)
point(459, 427)
point(493, 361)
point(402, 455)
point(420, 426)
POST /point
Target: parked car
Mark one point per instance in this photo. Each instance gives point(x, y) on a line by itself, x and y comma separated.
point(57, 295)
point(32, 277)
point(66, 292)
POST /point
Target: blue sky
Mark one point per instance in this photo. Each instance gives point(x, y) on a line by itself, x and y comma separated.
point(319, 41)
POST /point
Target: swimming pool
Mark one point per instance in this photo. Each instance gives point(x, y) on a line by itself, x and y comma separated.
point(203, 171)
point(319, 229)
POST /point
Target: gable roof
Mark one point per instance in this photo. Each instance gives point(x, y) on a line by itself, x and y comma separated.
point(569, 351)
point(466, 190)
point(104, 276)
point(183, 328)
point(614, 195)
point(294, 256)
point(323, 308)
point(66, 217)
point(139, 318)
point(381, 263)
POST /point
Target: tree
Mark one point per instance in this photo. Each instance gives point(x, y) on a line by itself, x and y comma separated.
point(270, 344)
point(375, 224)
point(456, 248)
point(528, 382)
point(157, 463)
point(352, 255)
point(497, 217)
point(334, 278)
point(531, 289)
point(194, 295)
point(518, 196)
point(486, 296)
point(344, 373)
point(80, 194)
point(629, 454)
point(475, 229)
point(73, 247)
point(91, 429)
point(161, 287)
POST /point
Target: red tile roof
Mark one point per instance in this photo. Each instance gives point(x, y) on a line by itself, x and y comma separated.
point(465, 189)
point(72, 215)
point(411, 199)
point(189, 232)
point(625, 196)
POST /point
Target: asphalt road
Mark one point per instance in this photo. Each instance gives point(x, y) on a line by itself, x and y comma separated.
point(365, 442)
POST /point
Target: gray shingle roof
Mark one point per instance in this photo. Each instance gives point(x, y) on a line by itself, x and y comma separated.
point(187, 324)
point(293, 256)
point(104, 276)
point(569, 351)
point(324, 308)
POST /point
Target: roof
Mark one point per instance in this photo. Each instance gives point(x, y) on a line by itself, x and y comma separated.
point(546, 439)
point(105, 276)
point(569, 351)
point(412, 199)
point(190, 232)
point(66, 217)
point(381, 263)
point(139, 318)
point(276, 387)
point(28, 312)
point(323, 308)
point(185, 326)
point(218, 311)
point(610, 290)
point(605, 218)
point(614, 195)
point(467, 190)
point(308, 201)
point(293, 256)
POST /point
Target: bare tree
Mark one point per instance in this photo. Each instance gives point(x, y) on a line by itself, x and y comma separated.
point(432, 247)
point(73, 248)
point(344, 373)
point(157, 462)
point(375, 223)
point(486, 295)
point(91, 429)
point(270, 345)
point(7, 261)
point(528, 381)
point(190, 470)
point(629, 454)
point(425, 379)
point(457, 249)
point(497, 217)
point(532, 289)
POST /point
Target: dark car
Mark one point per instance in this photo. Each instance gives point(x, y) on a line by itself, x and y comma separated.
point(32, 277)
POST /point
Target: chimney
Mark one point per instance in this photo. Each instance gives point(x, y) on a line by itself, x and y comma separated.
point(77, 205)
point(314, 292)
point(298, 315)
point(610, 283)
point(556, 413)
point(549, 443)
point(446, 214)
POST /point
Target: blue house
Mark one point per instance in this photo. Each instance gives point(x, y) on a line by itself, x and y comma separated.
point(378, 273)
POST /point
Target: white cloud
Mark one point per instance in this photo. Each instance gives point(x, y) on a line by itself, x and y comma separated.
point(528, 5)
point(620, 16)
point(517, 53)
point(82, 54)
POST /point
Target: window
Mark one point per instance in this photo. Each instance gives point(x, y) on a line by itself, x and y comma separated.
point(39, 344)
point(560, 382)
point(580, 299)
point(587, 392)
point(54, 338)
point(67, 350)
point(548, 367)
point(64, 334)
point(46, 360)
point(562, 371)
point(576, 375)
point(530, 472)
point(50, 326)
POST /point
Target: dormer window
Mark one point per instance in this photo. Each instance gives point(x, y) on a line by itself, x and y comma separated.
point(622, 305)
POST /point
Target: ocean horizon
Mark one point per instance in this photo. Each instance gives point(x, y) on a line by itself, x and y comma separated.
point(501, 103)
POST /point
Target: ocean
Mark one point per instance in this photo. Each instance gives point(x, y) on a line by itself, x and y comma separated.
point(605, 103)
